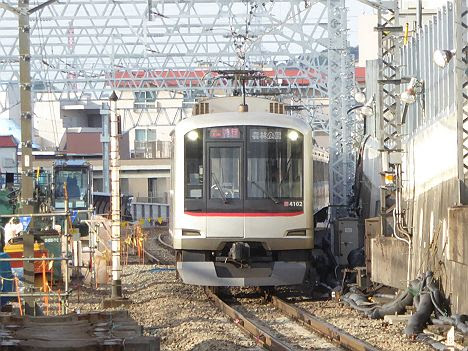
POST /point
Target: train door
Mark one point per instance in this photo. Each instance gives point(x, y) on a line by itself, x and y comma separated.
point(224, 208)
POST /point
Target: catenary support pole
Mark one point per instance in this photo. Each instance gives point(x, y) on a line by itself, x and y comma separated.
point(115, 200)
point(27, 180)
point(27, 185)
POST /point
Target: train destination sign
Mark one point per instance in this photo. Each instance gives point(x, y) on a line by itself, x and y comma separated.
point(224, 133)
point(265, 134)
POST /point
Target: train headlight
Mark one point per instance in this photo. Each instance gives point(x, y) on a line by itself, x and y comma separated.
point(192, 135)
point(293, 135)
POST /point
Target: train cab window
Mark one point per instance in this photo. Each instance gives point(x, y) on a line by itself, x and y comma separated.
point(274, 163)
point(77, 184)
point(225, 172)
point(194, 164)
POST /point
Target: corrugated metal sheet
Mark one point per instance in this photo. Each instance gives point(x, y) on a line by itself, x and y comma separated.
point(438, 98)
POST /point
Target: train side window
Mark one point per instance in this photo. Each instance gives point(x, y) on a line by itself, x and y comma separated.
point(194, 164)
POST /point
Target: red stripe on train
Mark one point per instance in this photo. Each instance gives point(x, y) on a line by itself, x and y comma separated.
point(244, 214)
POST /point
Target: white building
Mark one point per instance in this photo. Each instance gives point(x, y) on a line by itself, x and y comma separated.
point(8, 154)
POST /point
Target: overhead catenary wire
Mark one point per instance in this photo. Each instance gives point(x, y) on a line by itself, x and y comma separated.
point(47, 75)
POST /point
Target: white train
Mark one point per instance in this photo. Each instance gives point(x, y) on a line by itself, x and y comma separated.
point(242, 199)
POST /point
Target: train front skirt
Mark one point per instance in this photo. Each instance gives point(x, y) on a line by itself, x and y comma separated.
point(219, 274)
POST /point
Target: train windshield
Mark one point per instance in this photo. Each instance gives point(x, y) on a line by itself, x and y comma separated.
point(243, 163)
point(274, 163)
point(225, 173)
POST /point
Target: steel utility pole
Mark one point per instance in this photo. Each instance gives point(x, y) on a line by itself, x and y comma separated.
point(27, 180)
point(115, 200)
point(27, 177)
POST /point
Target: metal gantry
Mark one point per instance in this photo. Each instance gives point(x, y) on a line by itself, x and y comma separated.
point(388, 98)
point(461, 91)
point(340, 80)
point(88, 48)
point(83, 50)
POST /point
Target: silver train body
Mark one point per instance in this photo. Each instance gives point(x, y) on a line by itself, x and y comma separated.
point(242, 199)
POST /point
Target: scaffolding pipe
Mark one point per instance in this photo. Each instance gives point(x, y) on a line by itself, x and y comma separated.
point(15, 259)
point(53, 214)
point(105, 147)
point(115, 199)
point(66, 235)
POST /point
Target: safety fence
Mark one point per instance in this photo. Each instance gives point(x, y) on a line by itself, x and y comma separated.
point(150, 214)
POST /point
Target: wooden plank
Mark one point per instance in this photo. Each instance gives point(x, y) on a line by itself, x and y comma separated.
point(77, 332)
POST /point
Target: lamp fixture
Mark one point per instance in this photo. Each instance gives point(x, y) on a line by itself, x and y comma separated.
point(368, 109)
point(359, 96)
point(442, 57)
point(414, 87)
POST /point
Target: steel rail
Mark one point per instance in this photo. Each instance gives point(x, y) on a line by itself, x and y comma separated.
point(152, 257)
point(262, 337)
point(322, 327)
point(163, 243)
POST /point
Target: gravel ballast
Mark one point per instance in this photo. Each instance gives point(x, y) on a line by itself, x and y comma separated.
point(179, 314)
point(388, 337)
point(184, 319)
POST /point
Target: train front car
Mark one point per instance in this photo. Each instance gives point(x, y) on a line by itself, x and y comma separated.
point(242, 202)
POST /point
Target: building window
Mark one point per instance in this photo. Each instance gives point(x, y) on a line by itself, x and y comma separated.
point(146, 146)
point(144, 100)
point(157, 190)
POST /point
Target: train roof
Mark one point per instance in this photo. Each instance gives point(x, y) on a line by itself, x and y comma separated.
point(242, 118)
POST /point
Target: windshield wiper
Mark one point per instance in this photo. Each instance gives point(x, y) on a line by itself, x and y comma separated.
point(218, 186)
point(265, 192)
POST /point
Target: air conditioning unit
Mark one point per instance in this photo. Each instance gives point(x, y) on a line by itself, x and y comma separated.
point(201, 108)
point(277, 107)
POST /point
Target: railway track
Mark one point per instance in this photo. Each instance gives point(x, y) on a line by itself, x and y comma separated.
point(263, 337)
point(151, 255)
point(165, 244)
point(270, 341)
point(322, 327)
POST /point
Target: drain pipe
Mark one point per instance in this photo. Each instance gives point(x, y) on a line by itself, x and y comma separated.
point(115, 199)
point(398, 221)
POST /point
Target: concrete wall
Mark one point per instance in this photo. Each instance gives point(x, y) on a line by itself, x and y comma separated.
point(439, 240)
point(48, 124)
point(370, 180)
point(386, 253)
point(138, 187)
point(440, 243)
